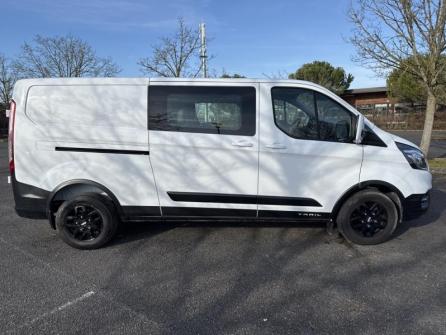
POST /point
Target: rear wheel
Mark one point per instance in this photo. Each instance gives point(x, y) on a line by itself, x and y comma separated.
point(368, 217)
point(87, 221)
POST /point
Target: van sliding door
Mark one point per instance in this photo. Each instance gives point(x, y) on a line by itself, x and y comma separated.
point(204, 147)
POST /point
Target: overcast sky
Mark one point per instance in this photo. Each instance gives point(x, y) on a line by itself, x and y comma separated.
point(249, 37)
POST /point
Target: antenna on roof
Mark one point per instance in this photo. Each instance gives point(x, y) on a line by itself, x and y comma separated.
point(203, 53)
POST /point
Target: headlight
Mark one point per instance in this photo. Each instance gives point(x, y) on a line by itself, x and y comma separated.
point(414, 156)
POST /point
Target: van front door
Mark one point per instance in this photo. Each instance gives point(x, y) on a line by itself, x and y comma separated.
point(307, 158)
point(203, 143)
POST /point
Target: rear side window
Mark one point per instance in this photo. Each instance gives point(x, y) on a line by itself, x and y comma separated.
point(305, 114)
point(212, 110)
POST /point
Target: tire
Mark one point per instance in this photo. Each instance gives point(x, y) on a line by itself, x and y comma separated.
point(87, 221)
point(369, 217)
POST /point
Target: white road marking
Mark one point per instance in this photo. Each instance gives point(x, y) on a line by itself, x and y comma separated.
point(58, 309)
point(143, 317)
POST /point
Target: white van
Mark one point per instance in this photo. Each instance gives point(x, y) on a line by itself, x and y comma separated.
point(89, 153)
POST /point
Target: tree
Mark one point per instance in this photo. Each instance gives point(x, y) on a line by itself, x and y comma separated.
point(324, 74)
point(175, 56)
point(408, 88)
point(278, 75)
point(405, 87)
point(7, 80)
point(408, 35)
point(234, 76)
point(62, 56)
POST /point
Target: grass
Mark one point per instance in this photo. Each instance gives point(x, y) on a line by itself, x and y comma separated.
point(437, 163)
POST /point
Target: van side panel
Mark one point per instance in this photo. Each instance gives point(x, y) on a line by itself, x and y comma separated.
point(92, 132)
point(390, 166)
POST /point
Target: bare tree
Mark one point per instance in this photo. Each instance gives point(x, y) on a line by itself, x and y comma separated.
point(7, 80)
point(65, 56)
point(404, 34)
point(278, 75)
point(176, 56)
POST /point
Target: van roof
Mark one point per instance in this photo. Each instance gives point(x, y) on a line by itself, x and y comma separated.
point(22, 86)
point(145, 81)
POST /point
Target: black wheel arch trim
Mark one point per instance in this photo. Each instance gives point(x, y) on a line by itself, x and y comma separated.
point(73, 182)
point(398, 200)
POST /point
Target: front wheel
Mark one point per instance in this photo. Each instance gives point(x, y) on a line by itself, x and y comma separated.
point(86, 222)
point(368, 217)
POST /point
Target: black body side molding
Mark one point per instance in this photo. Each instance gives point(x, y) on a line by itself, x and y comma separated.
point(242, 199)
point(104, 151)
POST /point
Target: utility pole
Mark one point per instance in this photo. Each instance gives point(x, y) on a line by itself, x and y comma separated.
point(203, 53)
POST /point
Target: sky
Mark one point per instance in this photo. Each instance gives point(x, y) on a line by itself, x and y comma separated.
point(255, 38)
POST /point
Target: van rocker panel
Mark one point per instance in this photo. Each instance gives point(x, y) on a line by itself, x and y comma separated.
point(33, 202)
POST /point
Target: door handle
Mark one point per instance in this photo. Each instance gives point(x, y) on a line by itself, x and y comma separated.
point(242, 144)
point(276, 146)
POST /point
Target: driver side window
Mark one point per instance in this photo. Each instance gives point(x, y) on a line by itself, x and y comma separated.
point(303, 114)
point(295, 112)
point(335, 122)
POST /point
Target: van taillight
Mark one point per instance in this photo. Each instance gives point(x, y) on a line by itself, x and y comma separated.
point(11, 136)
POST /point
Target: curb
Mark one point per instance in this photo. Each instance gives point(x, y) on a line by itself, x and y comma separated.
point(434, 131)
point(439, 171)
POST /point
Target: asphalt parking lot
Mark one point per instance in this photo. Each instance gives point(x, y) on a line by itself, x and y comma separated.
point(224, 278)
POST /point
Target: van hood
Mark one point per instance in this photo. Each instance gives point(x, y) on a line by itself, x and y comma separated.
point(403, 140)
point(390, 136)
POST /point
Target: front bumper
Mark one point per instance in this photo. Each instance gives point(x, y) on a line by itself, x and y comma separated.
point(416, 205)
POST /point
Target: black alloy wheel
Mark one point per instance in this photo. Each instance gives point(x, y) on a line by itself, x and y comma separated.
point(368, 217)
point(83, 222)
point(88, 221)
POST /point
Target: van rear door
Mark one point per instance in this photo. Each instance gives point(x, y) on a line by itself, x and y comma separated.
point(204, 147)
